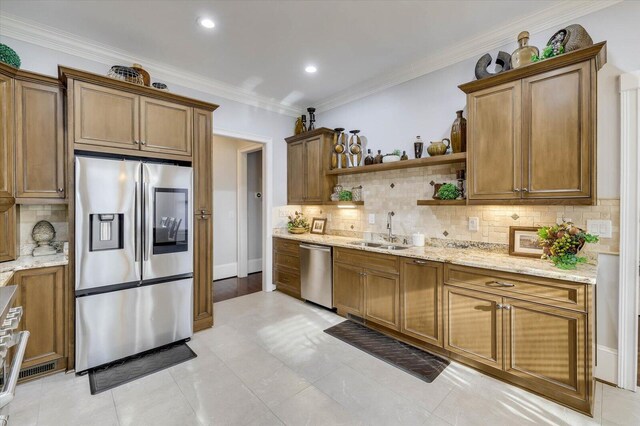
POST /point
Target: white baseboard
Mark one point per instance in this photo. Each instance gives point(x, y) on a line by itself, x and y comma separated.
point(254, 265)
point(226, 270)
point(607, 368)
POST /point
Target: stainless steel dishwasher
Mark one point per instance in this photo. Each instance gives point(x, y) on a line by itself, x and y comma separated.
point(316, 274)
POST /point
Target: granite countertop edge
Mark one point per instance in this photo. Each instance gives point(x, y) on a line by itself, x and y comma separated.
point(478, 258)
point(29, 262)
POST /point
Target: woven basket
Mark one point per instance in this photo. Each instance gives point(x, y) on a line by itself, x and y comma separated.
point(120, 72)
point(575, 37)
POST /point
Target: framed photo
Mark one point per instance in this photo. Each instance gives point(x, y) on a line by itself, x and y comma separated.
point(523, 241)
point(317, 226)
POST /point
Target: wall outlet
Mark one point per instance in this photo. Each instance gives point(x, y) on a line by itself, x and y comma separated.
point(474, 224)
point(601, 228)
point(372, 218)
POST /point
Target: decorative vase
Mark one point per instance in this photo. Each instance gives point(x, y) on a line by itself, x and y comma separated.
point(369, 160)
point(298, 128)
point(438, 147)
point(522, 55)
point(356, 193)
point(304, 123)
point(418, 146)
point(355, 148)
point(404, 156)
point(312, 118)
point(378, 158)
point(9, 56)
point(297, 230)
point(459, 133)
point(340, 148)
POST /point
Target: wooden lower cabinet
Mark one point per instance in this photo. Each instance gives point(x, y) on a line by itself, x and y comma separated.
point(286, 266)
point(473, 325)
point(203, 273)
point(546, 346)
point(382, 298)
point(41, 293)
point(348, 289)
point(421, 300)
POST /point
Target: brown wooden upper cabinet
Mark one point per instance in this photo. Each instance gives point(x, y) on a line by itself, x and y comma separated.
point(8, 229)
point(532, 132)
point(40, 155)
point(202, 161)
point(308, 159)
point(114, 118)
point(6, 137)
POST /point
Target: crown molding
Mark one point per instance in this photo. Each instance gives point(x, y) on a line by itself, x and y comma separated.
point(471, 48)
point(62, 41)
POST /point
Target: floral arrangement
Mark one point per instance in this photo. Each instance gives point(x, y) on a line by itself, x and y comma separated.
point(298, 222)
point(562, 243)
point(448, 191)
point(548, 52)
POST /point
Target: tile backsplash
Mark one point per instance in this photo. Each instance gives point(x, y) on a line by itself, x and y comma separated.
point(30, 215)
point(398, 191)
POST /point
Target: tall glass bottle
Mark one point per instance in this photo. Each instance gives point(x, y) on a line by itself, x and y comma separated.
point(522, 55)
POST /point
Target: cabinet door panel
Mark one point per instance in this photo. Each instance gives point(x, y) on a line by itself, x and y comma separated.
point(203, 272)
point(546, 345)
point(313, 170)
point(165, 127)
point(8, 230)
point(295, 173)
point(41, 295)
point(203, 161)
point(105, 117)
point(39, 141)
point(382, 299)
point(557, 133)
point(494, 136)
point(473, 325)
point(421, 292)
point(348, 292)
point(6, 137)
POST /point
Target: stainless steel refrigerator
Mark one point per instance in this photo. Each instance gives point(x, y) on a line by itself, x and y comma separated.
point(134, 258)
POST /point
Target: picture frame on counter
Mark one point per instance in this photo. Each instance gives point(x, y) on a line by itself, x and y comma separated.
point(523, 241)
point(318, 226)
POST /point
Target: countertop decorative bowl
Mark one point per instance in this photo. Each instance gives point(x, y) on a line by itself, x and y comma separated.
point(297, 230)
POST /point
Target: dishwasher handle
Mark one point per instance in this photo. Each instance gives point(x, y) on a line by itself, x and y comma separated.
point(314, 247)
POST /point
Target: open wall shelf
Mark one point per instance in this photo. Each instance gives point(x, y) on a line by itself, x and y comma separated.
point(460, 157)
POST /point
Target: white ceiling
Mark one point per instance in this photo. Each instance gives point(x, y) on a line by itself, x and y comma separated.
point(262, 47)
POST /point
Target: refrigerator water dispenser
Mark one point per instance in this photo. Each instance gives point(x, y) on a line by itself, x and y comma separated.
point(106, 231)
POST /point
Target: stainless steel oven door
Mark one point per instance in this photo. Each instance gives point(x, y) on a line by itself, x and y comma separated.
point(108, 202)
point(167, 221)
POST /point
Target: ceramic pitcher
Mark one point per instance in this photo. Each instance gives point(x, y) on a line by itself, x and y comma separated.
point(438, 147)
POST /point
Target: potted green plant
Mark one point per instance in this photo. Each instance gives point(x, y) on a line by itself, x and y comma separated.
point(298, 224)
point(345, 196)
point(562, 243)
point(448, 191)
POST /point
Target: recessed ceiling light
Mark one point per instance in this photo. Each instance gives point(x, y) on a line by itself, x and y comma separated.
point(311, 69)
point(206, 22)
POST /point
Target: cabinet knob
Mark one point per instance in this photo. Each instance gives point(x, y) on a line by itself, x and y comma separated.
point(507, 307)
point(420, 262)
point(516, 190)
point(203, 211)
point(135, 142)
point(205, 217)
point(60, 189)
point(499, 306)
point(525, 190)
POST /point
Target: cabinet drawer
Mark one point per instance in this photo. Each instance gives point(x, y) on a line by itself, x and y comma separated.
point(288, 281)
point(366, 259)
point(283, 245)
point(287, 260)
point(542, 290)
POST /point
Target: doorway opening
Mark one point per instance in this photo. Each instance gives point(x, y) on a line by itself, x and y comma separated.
point(240, 216)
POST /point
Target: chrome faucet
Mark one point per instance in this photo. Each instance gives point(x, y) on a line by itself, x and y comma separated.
point(391, 238)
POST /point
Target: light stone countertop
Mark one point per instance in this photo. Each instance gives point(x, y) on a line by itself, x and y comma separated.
point(495, 259)
point(29, 262)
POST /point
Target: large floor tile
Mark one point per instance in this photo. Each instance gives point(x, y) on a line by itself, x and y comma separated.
point(311, 407)
point(620, 407)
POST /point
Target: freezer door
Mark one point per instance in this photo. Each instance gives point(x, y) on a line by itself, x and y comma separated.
point(168, 221)
point(107, 224)
point(114, 325)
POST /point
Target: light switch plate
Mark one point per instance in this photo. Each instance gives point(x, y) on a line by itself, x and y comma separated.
point(474, 223)
point(601, 228)
point(372, 218)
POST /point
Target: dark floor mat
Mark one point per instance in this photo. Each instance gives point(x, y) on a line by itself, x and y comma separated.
point(414, 361)
point(132, 368)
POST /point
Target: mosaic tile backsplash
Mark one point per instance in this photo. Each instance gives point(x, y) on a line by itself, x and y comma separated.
point(30, 215)
point(398, 191)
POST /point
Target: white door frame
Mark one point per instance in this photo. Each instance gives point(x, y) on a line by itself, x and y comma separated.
point(241, 202)
point(629, 230)
point(267, 197)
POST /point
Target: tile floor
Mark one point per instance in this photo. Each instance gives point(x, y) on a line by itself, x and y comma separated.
point(268, 362)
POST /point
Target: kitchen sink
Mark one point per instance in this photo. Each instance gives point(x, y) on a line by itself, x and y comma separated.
point(393, 247)
point(365, 244)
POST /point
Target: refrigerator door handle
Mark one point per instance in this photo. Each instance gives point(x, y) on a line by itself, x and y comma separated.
point(145, 201)
point(136, 225)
